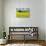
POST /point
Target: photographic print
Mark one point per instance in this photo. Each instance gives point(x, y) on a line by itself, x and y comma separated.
point(22, 12)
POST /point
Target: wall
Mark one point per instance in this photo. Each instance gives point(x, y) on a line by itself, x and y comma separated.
point(36, 19)
point(0, 18)
point(39, 17)
point(45, 19)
